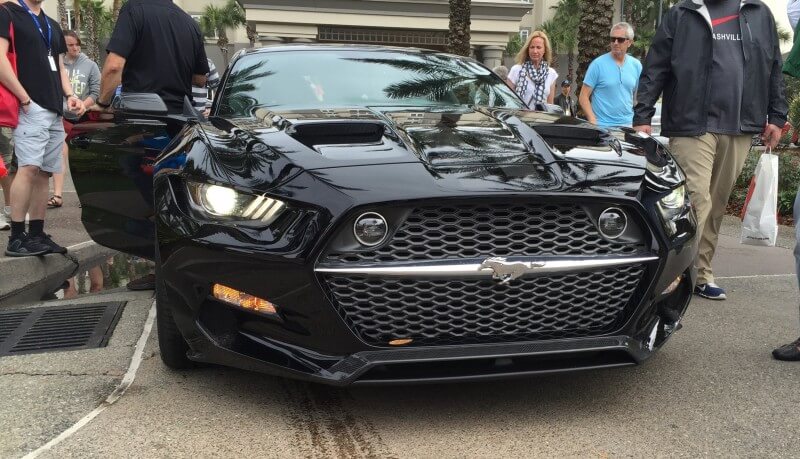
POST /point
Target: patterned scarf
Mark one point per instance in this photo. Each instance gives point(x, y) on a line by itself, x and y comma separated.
point(537, 77)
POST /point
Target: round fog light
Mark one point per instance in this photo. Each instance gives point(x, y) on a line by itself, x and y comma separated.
point(612, 223)
point(370, 228)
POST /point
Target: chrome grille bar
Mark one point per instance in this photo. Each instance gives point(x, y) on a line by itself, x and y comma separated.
point(532, 266)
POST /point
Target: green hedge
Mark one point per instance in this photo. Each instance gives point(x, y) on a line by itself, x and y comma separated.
point(788, 181)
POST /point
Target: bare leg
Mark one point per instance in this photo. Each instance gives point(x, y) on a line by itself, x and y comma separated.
point(38, 203)
point(70, 291)
point(22, 189)
point(58, 177)
point(5, 183)
point(95, 279)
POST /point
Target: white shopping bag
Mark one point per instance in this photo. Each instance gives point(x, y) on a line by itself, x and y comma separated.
point(760, 212)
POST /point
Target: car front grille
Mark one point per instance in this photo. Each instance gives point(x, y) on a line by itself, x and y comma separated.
point(436, 232)
point(447, 311)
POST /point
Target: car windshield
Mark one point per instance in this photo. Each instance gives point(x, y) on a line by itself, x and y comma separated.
point(345, 78)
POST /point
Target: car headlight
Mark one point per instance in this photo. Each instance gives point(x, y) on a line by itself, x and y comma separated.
point(227, 203)
point(675, 210)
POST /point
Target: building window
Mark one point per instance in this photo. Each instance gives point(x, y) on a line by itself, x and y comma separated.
point(523, 34)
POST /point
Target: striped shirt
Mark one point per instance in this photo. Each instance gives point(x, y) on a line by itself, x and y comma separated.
point(201, 96)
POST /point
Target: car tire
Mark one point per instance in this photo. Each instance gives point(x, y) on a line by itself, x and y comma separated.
point(170, 340)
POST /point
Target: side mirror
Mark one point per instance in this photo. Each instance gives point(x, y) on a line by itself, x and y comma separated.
point(140, 104)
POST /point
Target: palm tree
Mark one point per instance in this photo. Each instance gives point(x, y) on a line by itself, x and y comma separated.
point(595, 23)
point(115, 9)
point(62, 14)
point(458, 35)
point(98, 24)
point(76, 15)
point(218, 20)
point(563, 31)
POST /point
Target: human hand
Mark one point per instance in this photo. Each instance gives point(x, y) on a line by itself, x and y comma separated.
point(771, 136)
point(76, 106)
point(646, 128)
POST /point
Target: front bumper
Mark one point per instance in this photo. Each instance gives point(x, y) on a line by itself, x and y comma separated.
point(313, 343)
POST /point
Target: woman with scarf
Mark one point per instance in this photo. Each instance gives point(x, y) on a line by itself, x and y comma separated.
point(532, 78)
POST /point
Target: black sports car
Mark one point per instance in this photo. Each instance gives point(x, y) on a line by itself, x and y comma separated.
point(355, 214)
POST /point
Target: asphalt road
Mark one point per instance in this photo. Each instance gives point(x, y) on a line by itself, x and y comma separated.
point(713, 390)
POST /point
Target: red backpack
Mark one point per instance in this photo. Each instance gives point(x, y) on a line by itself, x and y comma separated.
point(9, 104)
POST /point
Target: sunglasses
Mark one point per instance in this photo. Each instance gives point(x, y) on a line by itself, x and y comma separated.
point(619, 39)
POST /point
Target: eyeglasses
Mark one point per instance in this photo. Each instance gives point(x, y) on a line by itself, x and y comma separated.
point(619, 39)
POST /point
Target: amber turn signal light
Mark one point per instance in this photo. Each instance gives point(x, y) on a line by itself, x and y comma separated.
point(243, 300)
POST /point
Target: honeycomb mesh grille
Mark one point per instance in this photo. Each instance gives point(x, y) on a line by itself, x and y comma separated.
point(439, 312)
point(496, 229)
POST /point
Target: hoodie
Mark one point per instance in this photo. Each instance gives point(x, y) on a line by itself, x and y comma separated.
point(84, 76)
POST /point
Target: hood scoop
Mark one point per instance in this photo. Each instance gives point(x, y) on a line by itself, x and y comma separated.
point(315, 134)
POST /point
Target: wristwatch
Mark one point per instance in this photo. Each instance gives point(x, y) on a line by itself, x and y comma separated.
point(27, 102)
point(102, 105)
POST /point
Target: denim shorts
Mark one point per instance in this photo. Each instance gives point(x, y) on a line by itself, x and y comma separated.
point(38, 139)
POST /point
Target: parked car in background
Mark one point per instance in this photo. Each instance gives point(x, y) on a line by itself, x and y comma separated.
point(368, 215)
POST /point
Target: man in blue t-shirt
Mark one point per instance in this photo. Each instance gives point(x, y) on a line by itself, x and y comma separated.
point(610, 82)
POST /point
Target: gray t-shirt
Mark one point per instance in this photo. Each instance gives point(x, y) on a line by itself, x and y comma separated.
point(727, 71)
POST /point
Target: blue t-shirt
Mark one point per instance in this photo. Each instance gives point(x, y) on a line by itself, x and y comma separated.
point(613, 87)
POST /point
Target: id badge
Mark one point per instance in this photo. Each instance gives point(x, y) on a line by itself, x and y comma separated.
point(52, 63)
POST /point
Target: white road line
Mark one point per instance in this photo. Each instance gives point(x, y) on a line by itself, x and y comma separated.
point(123, 386)
point(755, 276)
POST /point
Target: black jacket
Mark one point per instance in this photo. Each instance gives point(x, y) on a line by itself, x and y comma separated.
point(679, 63)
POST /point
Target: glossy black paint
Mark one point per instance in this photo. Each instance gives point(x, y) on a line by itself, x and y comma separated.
point(328, 165)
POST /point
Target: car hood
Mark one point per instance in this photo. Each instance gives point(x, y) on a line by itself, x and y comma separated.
point(441, 140)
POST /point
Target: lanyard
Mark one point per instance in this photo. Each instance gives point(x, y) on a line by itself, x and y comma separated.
point(49, 39)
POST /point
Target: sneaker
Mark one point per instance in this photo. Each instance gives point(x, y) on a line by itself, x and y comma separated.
point(25, 246)
point(711, 291)
point(146, 282)
point(47, 240)
point(4, 225)
point(788, 352)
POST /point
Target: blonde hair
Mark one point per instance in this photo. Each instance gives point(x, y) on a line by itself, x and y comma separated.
point(522, 55)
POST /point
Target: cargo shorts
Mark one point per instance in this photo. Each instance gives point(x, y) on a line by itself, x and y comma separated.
point(38, 139)
point(7, 149)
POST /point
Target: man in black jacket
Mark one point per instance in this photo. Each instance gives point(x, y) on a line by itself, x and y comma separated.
point(718, 65)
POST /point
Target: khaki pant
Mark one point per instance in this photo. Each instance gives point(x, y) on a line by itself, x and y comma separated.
point(712, 162)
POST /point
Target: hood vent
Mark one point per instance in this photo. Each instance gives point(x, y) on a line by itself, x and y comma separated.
point(336, 133)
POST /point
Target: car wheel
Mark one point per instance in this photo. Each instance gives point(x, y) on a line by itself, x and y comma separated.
point(170, 340)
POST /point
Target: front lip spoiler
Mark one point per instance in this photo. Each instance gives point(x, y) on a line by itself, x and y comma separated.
point(567, 354)
point(530, 266)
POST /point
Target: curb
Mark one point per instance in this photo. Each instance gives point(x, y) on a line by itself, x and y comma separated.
point(27, 279)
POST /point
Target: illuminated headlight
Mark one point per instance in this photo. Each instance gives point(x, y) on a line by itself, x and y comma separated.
point(227, 203)
point(673, 207)
point(370, 229)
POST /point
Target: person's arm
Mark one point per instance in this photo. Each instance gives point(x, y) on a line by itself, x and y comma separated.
point(9, 79)
point(93, 82)
point(110, 78)
point(74, 103)
point(586, 104)
point(657, 68)
point(777, 108)
point(551, 97)
point(124, 37)
point(199, 80)
point(793, 11)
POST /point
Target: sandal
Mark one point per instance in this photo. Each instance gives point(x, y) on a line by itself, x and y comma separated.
point(54, 201)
